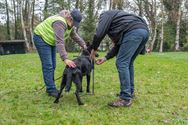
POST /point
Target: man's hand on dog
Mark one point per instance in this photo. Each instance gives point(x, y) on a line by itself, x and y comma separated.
point(100, 61)
point(70, 63)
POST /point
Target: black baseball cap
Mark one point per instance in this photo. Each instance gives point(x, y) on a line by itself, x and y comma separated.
point(77, 17)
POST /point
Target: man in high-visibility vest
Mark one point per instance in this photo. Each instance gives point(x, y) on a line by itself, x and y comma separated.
point(52, 33)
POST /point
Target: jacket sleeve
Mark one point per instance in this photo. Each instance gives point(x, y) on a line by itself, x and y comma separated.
point(59, 29)
point(102, 29)
point(112, 52)
point(74, 35)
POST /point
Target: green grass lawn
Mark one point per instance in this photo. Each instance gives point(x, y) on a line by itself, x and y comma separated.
point(161, 83)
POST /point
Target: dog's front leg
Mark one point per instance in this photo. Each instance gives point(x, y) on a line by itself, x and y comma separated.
point(63, 83)
point(88, 76)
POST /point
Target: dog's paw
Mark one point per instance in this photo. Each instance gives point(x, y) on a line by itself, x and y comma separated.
point(88, 91)
point(81, 103)
point(67, 90)
point(117, 94)
point(56, 101)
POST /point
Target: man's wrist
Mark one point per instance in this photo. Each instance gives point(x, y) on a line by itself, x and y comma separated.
point(104, 58)
point(65, 59)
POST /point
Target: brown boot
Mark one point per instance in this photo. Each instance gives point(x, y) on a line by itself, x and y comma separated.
point(120, 103)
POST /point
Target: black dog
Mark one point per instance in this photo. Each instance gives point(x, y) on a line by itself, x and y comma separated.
point(83, 67)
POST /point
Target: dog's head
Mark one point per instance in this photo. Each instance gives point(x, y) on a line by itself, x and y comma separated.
point(87, 52)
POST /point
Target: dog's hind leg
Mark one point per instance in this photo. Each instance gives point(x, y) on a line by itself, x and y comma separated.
point(81, 90)
point(68, 82)
point(63, 83)
point(88, 76)
point(77, 82)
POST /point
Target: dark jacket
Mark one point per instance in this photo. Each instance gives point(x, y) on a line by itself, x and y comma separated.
point(115, 23)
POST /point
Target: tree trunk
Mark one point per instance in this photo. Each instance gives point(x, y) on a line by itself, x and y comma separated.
point(26, 11)
point(110, 5)
point(120, 4)
point(98, 7)
point(89, 22)
point(45, 11)
point(15, 21)
point(8, 20)
point(19, 33)
point(77, 4)
point(33, 15)
point(151, 14)
point(154, 37)
point(81, 6)
point(69, 4)
point(140, 7)
point(23, 26)
point(162, 30)
point(114, 4)
point(172, 7)
point(30, 23)
point(177, 47)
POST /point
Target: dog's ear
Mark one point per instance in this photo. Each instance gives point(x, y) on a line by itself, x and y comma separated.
point(85, 52)
point(89, 48)
point(88, 44)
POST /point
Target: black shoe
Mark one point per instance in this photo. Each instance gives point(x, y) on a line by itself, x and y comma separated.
point(53, 93)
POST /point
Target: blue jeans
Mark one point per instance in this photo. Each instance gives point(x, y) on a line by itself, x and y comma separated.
point(131, 45)
point(47, 54)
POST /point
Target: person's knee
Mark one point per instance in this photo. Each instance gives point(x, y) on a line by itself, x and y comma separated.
point(122, 64)
point(48, 66)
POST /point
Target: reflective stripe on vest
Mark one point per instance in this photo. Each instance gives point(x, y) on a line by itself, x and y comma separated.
point(46, 31)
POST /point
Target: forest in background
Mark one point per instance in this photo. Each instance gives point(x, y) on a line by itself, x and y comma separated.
point(167, 20)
